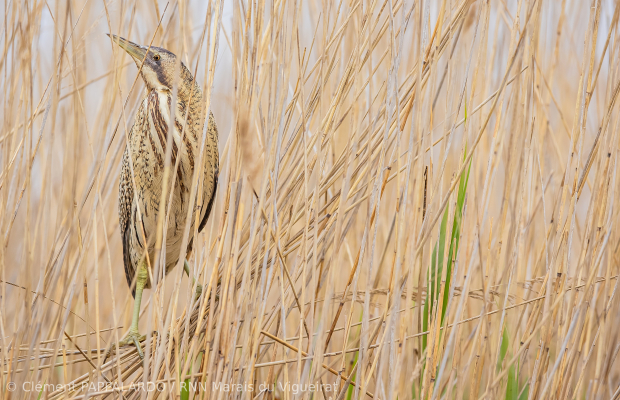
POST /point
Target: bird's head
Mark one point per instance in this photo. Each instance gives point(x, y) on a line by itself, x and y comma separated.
point(159, 66)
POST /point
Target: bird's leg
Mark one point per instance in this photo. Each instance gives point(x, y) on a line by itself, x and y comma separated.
point(133, 337)
point(198, 286)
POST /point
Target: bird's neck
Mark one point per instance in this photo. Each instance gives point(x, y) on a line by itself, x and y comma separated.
point(188, 95)
point(188, 91)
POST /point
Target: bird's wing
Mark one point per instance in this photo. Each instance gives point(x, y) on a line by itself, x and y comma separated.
point(206, 211)
point(212, 166)
point(125, 202)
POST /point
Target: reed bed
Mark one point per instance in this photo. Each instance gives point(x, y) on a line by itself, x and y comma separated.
point(416, 200)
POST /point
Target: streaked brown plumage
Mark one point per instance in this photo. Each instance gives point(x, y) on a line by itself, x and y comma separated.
point(146, 152)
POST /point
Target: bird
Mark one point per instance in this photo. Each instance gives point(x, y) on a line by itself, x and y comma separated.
point(142, 170)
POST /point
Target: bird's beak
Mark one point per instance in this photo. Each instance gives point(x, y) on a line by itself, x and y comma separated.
point(135, 50)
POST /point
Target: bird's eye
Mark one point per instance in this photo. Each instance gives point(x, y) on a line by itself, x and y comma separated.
point(156, 57)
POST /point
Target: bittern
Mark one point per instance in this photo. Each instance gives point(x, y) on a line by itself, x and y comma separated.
point(142, 171)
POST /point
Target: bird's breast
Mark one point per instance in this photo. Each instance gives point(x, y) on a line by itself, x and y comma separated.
point(151, 146)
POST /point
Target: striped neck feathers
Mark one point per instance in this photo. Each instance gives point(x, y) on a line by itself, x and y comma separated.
point(188, 94)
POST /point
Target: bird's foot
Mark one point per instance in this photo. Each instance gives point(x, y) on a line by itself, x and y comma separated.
point(198, 291)
point(133, 338)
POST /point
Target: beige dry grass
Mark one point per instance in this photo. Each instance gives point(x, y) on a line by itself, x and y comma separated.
point(417, 199)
